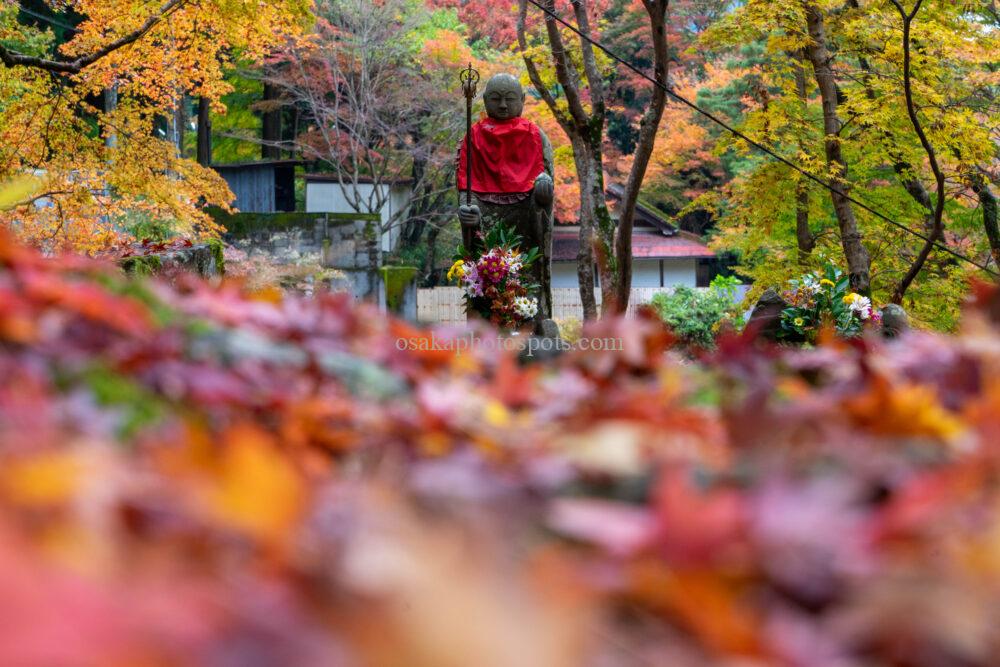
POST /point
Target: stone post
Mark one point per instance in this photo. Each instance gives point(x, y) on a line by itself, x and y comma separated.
point(401, 290)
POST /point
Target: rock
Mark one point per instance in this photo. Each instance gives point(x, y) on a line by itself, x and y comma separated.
point(895, 321)
point(765, 319)
point(548, 329)
point(204, 259)
point(545, 344)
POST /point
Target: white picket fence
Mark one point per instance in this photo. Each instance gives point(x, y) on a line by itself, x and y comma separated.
point(445, 305)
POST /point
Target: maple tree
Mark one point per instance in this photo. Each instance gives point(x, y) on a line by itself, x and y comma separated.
point(875, 135)
point(375, 87)
point(581, 112)
point(97, 155)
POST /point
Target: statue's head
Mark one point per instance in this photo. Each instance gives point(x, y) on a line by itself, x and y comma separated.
point(504, 97)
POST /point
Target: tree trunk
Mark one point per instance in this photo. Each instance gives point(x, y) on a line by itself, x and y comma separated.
point(858, 259)
point(204, 142)
point(622, 287)
point(181, 118)
point(413, 227)
point(591, 178)
point(805, 239)
point(110, 104)
point(271, 125)
point(803, 235)
point(988, 202)
point(430, 276)
point(585, 131)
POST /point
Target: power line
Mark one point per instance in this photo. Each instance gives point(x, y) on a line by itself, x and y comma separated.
point(47, 19)
point(723, 124)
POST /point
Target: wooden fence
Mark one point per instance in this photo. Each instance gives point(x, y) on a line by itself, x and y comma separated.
point(445, 305)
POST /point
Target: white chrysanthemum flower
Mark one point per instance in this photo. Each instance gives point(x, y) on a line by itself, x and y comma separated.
point(525, 307)
point(810, 284)
point(513, 261)
point(861, 305)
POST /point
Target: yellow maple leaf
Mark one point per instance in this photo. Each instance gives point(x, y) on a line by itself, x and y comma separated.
point(46, 480)
point(257, 491)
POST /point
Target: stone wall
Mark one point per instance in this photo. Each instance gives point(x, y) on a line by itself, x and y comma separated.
point(345, 242)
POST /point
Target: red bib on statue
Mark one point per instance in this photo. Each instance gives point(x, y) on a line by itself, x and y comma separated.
point(506, 156)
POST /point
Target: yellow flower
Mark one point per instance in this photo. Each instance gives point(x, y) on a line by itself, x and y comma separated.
point(496, 414)
point(799, 321)
point(851, 298)
point(827, 281)
point(457, 271)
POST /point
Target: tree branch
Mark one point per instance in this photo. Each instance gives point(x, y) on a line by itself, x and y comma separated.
point(563, 68)
point(533, 74)
point(13, 59)
point(594, 79)
point(937, 229)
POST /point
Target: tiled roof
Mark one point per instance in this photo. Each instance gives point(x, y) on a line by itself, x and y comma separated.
point(650, 246)
point(361, 179)
point(644, 215)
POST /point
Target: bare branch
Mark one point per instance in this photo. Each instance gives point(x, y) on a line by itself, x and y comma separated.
point(533, 74)
point(594, 79)
point(565, 73)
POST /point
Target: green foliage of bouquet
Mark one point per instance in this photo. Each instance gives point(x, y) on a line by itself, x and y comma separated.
point(498, 282)
point(825, 301)
point(695, 315)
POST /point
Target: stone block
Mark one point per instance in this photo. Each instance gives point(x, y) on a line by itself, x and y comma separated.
point(340, 255)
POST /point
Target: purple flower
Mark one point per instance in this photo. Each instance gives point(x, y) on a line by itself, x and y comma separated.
point(472, 282)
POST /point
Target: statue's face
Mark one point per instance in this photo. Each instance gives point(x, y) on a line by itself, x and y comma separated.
point(503, 97)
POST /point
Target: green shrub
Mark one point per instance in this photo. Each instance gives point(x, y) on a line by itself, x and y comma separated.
point(140, 225)
point(695, 315)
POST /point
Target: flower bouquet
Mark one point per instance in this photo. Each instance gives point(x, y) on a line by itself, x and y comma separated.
point(817, 301)
point(498, 282)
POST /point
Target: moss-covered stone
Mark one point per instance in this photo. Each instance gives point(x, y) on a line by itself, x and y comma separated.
point(396, 279)
point(143, 265)
point(216, 247)
point(204, 259)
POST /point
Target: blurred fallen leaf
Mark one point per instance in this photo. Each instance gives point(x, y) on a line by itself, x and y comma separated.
point(257, 491)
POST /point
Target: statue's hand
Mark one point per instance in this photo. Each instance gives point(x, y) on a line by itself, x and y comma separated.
point(544, 190)
point(469, 216)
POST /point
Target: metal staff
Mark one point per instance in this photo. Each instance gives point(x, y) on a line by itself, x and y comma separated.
point(470, 80)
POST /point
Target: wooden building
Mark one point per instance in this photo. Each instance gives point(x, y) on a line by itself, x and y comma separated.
point(261, 187)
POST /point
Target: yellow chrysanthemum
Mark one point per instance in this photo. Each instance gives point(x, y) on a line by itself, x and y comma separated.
point(457, 271)
point(827, 281)
point(799, 321)
point(851, 298)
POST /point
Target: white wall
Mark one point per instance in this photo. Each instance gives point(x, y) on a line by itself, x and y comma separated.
point(328, 197)
point(645, 273)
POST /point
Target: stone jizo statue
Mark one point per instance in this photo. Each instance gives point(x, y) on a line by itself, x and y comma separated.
point(512, 169)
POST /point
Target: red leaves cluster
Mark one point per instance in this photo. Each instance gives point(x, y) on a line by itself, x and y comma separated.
point(150, 247)
point(190, 475)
